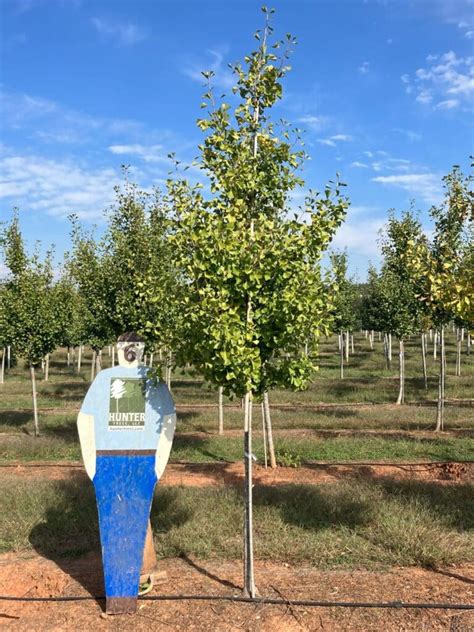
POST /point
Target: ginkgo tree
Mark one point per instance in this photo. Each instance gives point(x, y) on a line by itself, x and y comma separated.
point(345, 315)
point(31, 314)
point(255, 292)
point(128, 280)
point(396, 292)
point(442, 266)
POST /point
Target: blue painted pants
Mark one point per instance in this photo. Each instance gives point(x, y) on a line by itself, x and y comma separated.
point(124, 485)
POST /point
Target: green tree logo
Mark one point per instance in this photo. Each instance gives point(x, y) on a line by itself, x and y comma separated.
point(117, 391)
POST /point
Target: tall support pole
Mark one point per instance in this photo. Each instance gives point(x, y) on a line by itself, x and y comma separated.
point(2, 368)
point(341, 355)
point(264, 436)
point(221, 409)
point(401, 361)
point(440, 407)
point(94, 354)
point(35, 401)
point(249, 581)
point(269, 430)
point(423, 358)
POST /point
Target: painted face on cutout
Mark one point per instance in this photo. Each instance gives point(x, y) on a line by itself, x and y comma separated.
point(130, 353)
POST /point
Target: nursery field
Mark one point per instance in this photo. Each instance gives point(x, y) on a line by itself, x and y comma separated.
point(366, 493)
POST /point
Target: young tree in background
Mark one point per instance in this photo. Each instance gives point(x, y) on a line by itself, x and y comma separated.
point(146, 281)
point(93, 275)
point(31, 315)
point(442, 266)
point(5, 334)
point(401, 311)
point(255, 290)
point(345, 315)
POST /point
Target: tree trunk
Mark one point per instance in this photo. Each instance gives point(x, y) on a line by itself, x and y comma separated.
point(389, 350)
point(46, 368)
point(68, 357)
point(385, 350)
point(347, 346)
point(401, 356)
point(423, 358)
point(249, 582)
point(94, 353)
point(79, 358)
point(151, 360)
point(113, 355)
point(2, 368)
point(458, 353)
point(168, 372)
point(98, 362)
point(341, 354)
point(435, 345)
point(440, 408)
point(468, 343)
point(221, 409)
point(371, 339)
point(35, 401)
point(352, 344)
point(269, 430)
point(9, 357)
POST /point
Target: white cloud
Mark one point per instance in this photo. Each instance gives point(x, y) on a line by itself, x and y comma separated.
point(426, 186)
point(314, 122)
point(50, 121)
point(408, 133)
point(364, 68)
point(359, 235)
point(125, 33)
point(332, 140)
point(223, 77)
point(358, 164)
point(342, 137)
point(424, 96)
point(150, 153)
point(326, 141)
point(448, 104)
point(445, 75)
point(56, 188)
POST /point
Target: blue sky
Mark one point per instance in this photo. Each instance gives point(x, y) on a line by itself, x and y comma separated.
point(383, 89)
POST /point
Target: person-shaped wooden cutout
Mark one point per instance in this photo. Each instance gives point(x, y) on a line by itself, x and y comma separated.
point(126, 426)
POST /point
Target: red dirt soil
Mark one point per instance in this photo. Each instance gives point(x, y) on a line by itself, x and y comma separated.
point(32, 575)
point(216, 474)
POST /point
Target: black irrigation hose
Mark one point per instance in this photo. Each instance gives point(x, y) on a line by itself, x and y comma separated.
point(265, 600)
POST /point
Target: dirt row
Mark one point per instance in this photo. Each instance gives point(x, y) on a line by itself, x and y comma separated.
point(33, 576)
point(218, 474)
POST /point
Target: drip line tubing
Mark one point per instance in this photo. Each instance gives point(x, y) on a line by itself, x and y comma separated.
point(261, 601)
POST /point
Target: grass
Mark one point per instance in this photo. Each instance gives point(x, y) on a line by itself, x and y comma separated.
point(212, 448)
point(348, 525)
point(367, 380)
